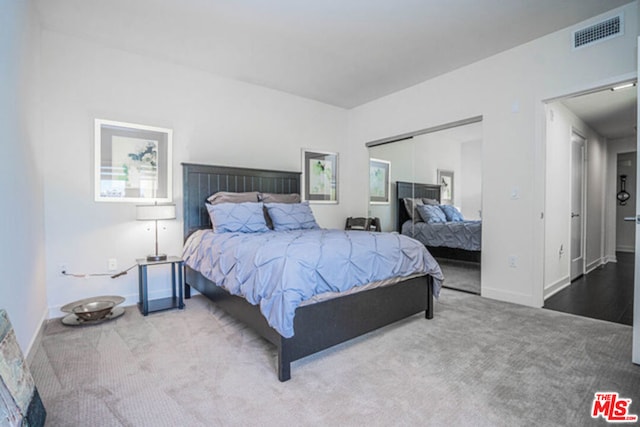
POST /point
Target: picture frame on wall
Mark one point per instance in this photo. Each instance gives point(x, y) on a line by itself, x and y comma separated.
point(132, 162)
point(320, 176)
point(379, 181)
point(445, 180)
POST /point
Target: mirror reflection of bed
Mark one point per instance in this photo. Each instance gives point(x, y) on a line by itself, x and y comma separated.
point(418, 161)
point(452, 240)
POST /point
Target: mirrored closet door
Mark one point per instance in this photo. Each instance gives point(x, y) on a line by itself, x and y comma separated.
point(428, 185)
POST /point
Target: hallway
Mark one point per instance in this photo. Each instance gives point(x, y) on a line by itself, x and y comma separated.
point(606, 293)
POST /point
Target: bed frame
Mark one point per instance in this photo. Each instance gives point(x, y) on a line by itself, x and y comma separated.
point(429, 191)
point(317, 326)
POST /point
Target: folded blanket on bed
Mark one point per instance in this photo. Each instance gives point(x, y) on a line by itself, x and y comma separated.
point(280, 269)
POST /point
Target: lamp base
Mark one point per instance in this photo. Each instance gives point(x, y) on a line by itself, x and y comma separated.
point(158, 257)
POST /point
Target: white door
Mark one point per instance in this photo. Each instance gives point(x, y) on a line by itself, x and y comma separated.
point(577, 203)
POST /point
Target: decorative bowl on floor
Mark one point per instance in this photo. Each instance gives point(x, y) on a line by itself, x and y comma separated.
point(94, 310)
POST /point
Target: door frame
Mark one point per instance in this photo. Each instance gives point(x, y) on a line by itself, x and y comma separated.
point(540, 194)
point(583, 203)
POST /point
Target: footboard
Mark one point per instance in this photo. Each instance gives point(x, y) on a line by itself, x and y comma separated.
point(350, 316)
point(328, 323)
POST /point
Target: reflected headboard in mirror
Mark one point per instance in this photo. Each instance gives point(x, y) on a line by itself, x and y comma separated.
point(413, 190)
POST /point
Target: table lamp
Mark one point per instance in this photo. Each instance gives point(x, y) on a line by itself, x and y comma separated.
point(155, 213)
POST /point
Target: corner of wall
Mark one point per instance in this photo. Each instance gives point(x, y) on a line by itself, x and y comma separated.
point(34, 345)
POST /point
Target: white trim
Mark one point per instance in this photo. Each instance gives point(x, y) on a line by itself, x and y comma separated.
point(506, 296)
point(556, 287)
point(594, 264)
point(591, 87)
point(627, 249)
point(32, 348)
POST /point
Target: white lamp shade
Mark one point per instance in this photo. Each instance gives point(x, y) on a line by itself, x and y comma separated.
point(155, 212)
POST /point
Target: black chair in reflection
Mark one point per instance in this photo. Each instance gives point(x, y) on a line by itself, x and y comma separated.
point(369, 224)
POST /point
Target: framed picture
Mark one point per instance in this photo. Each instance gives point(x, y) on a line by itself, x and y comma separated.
point(320, 176)
point(445, 179)
point(132, 163)
point(379, 183)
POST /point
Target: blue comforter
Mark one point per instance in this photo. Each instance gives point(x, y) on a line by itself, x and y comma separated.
point(461, 235)
point(279, 270)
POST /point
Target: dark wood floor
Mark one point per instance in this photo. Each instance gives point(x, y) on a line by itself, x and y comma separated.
point(606, 293)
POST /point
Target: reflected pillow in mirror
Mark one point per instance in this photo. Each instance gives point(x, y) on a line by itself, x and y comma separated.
point(411, 206)
point(431, 214)
point(426, 201)
point(452, 213)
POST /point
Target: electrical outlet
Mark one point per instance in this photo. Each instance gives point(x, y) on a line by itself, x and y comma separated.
point(112, 264)
point(62, 268)
point(513, 261)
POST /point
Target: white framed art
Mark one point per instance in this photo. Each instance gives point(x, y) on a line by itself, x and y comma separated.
point(319, 176)
point(379, 181)
point(445, 180)
point(132, 163)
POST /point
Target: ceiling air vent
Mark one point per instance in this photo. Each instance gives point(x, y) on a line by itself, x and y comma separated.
point(604, 30)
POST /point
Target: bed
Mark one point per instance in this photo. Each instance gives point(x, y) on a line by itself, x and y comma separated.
point(317, 326)
point(458, 241)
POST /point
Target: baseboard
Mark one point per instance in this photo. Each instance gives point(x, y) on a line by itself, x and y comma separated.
point(610, 258)
point(34, 345)
point(513, 297)
point(628, 249)
point(556, 287)
point(594, 264)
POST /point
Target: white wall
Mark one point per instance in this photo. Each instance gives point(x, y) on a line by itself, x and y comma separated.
point(22, 259)
point(614, 147)
point(215, 121)
point(507, 90)
point(560, 124)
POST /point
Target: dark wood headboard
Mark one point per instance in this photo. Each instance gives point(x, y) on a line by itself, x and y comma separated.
point(413, 189)
point(201, 181)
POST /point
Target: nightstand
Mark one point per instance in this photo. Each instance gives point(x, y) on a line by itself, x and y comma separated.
point(174, 301)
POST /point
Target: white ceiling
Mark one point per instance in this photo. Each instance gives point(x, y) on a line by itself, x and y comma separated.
point(341, 52)
point(612, 114)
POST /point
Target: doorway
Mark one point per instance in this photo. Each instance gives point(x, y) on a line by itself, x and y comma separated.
point(596, 279)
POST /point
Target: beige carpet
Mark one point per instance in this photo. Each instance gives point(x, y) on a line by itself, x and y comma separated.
point(478, 363)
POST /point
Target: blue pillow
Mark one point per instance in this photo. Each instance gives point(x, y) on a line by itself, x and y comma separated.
point(452, 213)
point(291, 216)
point(245, 217)
point(431, 214)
